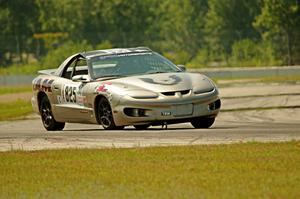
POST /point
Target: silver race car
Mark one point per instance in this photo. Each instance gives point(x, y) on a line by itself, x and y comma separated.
point(122, 87)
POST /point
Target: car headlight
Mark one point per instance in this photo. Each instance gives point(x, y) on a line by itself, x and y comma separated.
point(203, 90)
point(204, 86)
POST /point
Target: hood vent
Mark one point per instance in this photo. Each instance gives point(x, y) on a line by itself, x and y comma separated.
point(172, 93)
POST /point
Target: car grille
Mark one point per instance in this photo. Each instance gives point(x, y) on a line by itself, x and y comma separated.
point(172, 93)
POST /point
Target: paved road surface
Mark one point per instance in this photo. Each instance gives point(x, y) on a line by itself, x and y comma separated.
point(229, 128)
point(281, 124)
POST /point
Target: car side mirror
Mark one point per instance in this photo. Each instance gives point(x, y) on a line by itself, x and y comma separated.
point(80, 78)
point(182, 67)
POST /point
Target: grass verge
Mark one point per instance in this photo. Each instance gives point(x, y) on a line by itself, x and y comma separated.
point(260, 108)
point(11, 110)
point(243, 80)
point(292, 78)
point(14, 89)
point(251, 170)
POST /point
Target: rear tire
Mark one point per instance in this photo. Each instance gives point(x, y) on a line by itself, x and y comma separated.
point(48, 120)
point(141, 127)
point(202, 123)
point(105, 117)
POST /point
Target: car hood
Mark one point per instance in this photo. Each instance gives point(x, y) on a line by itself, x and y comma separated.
point(165, 82)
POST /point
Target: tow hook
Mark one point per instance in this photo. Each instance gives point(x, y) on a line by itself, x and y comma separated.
point(164, 125)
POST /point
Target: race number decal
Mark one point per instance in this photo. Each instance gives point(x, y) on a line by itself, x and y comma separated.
point(70, 93)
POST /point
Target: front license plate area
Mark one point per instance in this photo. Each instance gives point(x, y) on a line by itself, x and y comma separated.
point(182, 110)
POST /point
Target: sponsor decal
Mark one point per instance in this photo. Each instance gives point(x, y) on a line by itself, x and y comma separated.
point(172, 80)
point(80, 89)
point(59, 100)
point(102, 87)
point(127, 54)
point(41, 84)
point(36, 83)
point(81, 99)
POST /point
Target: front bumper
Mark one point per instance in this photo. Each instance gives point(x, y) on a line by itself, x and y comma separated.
point(168, 110)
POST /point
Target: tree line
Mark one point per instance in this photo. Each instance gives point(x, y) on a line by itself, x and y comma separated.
point(192, 32)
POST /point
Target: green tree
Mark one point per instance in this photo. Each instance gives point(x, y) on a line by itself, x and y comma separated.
point(228, 21)
point(124, 23)
point(127, 21)
point(181, 25)
point(249, 53)
point(279, 23)
point(56, 56)
point(18, 23)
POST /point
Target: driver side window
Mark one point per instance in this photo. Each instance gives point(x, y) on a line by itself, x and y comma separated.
point(76, 67)
point(81, 67)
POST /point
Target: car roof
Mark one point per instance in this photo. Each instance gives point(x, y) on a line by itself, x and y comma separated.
point(96, 53)
point(114, 51)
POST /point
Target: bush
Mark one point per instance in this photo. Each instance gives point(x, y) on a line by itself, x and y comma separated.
point(20, 69)
point(104, 45)
point(204, 58)
point(180, 57)
point(56, 56)
point(200, 60)
point(248, 53)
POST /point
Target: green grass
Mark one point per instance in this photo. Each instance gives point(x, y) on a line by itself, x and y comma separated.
point(252, 170)
point(14, 89)
point(260, 108)
point(279, 79)
point(11, 110)
point(291, 78)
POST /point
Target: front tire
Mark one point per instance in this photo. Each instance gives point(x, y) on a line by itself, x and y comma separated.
point(105, 117)
point(202, 123)
point(48, 120)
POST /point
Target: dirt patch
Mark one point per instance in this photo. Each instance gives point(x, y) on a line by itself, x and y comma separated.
point(15, 96)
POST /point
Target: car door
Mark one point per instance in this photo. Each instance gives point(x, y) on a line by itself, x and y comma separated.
point(69, 104)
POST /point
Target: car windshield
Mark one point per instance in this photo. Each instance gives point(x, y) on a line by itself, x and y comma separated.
point(131, 64)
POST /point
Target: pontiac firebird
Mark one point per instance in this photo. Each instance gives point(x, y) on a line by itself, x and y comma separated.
point(122, 87)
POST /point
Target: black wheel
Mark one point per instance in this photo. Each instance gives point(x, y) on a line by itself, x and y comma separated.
point(105, 116)
point(141, 127)
point(202, 123)
point(47, 118)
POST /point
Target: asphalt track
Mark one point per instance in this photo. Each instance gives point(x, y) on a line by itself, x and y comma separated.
point(263, 123)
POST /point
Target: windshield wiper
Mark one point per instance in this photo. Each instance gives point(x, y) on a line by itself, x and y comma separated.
point(155, 72)
point(110, 76)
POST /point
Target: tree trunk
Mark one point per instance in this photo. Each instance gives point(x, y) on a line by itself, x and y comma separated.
point(290, 58)
point(18, 49)
point(38, 49)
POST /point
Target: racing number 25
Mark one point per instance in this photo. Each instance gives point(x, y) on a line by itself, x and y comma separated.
point(70, 94)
